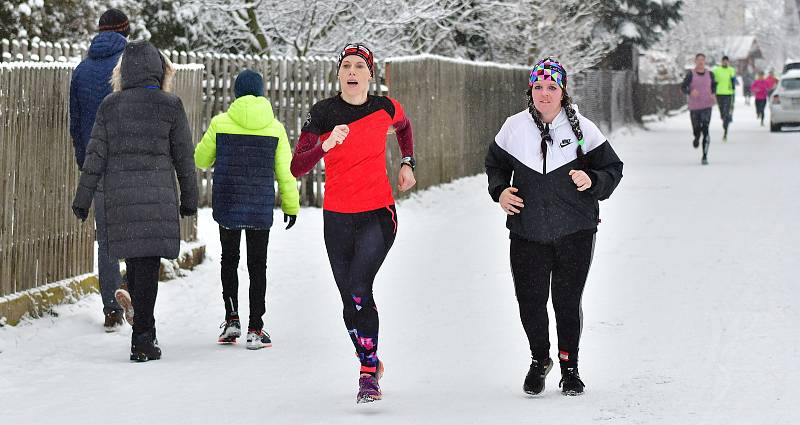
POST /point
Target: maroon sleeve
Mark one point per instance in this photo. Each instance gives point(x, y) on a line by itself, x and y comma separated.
point(402, 127)
point(307, 153)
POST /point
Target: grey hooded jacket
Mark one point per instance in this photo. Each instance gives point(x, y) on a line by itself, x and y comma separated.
point(140, 140)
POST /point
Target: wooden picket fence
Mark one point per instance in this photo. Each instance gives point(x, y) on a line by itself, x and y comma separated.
point(40, 240)
point(658, 99)
point(35, 51)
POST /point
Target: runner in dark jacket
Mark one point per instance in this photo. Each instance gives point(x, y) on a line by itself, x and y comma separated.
point(548, 167)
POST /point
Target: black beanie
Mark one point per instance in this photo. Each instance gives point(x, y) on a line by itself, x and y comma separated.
point(114, 20)
point(248, 83)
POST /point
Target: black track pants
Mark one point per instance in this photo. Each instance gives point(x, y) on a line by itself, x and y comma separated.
point(257, 242)
point(563, 266)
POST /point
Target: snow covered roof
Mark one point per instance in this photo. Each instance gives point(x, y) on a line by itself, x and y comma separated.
point(735, 47)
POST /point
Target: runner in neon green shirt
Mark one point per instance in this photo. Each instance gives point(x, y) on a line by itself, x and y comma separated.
point(725, 78)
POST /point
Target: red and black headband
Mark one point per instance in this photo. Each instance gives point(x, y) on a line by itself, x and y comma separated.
point(360, 50)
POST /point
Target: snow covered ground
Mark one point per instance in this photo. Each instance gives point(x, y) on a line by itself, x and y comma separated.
point(691, 313)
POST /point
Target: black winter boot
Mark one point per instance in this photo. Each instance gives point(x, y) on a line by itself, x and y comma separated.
point(144, 347)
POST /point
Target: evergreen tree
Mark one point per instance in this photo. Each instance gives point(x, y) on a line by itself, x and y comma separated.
point(49, 20)
point(641, 22)
point(8, 21)
point(168, 24)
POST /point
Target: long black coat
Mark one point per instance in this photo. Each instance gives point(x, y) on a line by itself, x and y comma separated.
point(140, 141)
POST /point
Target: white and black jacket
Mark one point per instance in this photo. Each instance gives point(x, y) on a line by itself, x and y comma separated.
point(554, 208)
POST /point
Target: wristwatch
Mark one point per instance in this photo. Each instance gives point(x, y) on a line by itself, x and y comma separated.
point(409, 160)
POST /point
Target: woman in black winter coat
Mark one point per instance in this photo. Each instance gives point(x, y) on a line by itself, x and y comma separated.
point(561, 165)
point(140, 141)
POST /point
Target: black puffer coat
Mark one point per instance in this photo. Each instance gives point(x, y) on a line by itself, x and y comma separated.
point(140, 141)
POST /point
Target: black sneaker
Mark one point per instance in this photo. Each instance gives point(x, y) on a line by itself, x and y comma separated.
point(145, 348)
point(704, 161)
point(696, 141)
point(231, 330)
point(571, 383)
point(534, 381)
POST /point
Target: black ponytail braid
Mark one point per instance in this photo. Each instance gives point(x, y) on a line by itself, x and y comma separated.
point(572, 116)
point(544, 129)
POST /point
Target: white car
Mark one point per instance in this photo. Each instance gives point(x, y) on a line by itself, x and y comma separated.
point(784, 105)
point(790, 65)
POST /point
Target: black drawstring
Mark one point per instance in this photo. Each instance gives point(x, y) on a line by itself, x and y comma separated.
point(545, 140)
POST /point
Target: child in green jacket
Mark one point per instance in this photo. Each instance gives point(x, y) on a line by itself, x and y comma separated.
point(249, 150)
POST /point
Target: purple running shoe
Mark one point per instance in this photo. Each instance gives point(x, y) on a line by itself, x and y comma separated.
point(368, 389)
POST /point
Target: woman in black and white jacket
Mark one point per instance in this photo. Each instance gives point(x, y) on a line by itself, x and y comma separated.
point(561, 165)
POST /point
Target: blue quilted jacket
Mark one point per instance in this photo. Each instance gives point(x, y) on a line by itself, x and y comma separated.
point(90, 85)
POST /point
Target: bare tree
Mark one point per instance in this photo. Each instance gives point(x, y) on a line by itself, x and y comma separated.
point(775, 25)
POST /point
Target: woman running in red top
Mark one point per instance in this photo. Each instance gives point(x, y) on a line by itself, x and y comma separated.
point(349, 131)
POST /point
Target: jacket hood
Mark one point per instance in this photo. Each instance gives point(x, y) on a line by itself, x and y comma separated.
point(142, 65)
point(107, 44)
point(251, 112)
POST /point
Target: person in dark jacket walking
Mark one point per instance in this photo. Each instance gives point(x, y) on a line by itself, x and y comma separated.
point(552, 208)
point(141, 139)
point(89, 86)
point(250, 150)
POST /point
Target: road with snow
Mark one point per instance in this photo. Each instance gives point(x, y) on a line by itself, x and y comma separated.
point(690, 313)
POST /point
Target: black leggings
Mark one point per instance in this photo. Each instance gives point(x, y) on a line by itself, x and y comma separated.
point(142, 273)
point(257, 242)
point(760, 106)
point(725, 103)
point(566, 262)
point(357, 244)
point(700, 119)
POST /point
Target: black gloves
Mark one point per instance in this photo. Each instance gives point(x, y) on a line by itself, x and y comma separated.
point(186, 211)
point(79, 212)
point(291, 219)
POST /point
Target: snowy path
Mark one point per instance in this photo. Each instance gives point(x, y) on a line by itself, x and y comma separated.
point(691, 313)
